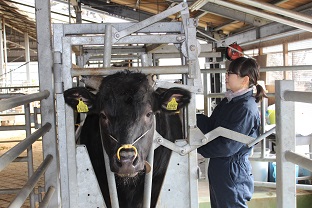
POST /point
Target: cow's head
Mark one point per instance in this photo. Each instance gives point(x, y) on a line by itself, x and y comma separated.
point(126, 103)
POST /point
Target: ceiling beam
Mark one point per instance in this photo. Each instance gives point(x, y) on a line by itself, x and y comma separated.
point(278, 10)
point(275, 18)
point(119, 10)
point(270, 32)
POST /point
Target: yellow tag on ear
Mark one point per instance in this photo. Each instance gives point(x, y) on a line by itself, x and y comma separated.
point(172, 105)
point(82, 107)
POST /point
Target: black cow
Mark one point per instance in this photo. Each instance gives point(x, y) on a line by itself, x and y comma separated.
point(121, 117)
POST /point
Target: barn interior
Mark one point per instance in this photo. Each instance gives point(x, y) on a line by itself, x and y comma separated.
point(277, 33)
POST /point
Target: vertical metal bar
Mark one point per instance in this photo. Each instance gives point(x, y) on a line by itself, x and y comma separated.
point(285, 140)
point(68, 135)
point(149, 176)
point(45, 63)
point(263, 142)
point(205, 83)
point(1, 55)
point(30, 163)
point(194, 78)
point(107, 46)
point(150, 158)
point(58, 33)
point(27, 57)
point(5, 53)
point(111, 182)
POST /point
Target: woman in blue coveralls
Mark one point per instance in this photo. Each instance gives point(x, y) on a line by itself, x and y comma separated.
point(230, 180)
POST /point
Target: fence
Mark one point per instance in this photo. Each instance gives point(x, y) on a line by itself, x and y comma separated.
point(14, 152)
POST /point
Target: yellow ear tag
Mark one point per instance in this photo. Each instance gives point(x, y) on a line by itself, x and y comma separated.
point(82, 107)
point(172, 105)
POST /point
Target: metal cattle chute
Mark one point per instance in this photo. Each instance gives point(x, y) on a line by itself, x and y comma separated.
point(125, 41)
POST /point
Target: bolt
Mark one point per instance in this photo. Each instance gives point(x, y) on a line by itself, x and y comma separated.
point(192, 48)
point(159, 141)
point(182, 152)
point(179, 38)
point(117, 35)
point(204, 140)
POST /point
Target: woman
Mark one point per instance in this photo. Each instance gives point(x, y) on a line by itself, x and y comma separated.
point(229, 173)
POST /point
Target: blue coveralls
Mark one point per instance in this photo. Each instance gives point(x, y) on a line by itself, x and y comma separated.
point(230, 179)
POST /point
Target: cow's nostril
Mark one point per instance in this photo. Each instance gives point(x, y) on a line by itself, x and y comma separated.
point(127, 154)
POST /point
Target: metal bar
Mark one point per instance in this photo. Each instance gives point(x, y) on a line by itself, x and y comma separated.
point(146, 70)
point(95, 28)
point(30, 162)
point(263, 136)
point(151, 20)
point(67, 132)
point(264, 15)
point(14, 127)
point(23, 99)
point(285, 140)
point(132, 39)
point(273, 185)
point(279, 10)
point(297, 96)
point(111, 182)
point(15, 151)
point(47, 197)
point(32, 181)
point(149, 176)
point(299, 160)
point(107, 46)
point(264, 69)
point(9, 191)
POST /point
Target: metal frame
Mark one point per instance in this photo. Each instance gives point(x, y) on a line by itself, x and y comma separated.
point(65, 37)
point(26, 144)
point(286, 143)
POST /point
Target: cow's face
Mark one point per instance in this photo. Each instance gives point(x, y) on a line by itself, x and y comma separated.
point(126, 104)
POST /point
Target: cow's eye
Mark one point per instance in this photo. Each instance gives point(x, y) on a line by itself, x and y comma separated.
point(103, 116)
point(149, 114)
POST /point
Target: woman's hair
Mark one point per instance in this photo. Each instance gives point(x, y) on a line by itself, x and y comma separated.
point(248, 67)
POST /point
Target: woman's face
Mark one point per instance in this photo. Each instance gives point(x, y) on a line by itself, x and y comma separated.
point(234, 82)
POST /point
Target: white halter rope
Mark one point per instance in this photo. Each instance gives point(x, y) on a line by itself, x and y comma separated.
point(140, 137)
point(125, 146)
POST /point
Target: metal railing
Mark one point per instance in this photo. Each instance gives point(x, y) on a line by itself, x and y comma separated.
point(26, 144)
point(286, 158)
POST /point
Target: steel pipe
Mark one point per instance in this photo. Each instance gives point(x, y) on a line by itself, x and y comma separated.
point(264, 15)
point(107, 46)
point(264, 135)
point(149, 176)
point(47, 197)
point(23, 99)
point(151, 69)
point(278, 10)
point(9, 191)
point(297, 96)
point(15, 151)
point(111, 182)
point(32, 181)
point(264, 69)
point(298, 159)
point(273, 185)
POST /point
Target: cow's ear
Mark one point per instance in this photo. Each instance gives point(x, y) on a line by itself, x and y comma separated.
point(80, 99)
point(173, 99)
